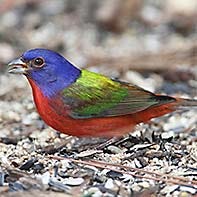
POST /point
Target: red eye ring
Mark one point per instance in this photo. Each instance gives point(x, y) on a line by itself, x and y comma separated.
point(38, 62)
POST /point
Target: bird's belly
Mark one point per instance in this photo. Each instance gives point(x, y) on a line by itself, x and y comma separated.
point(97, 127)
point(59, 119)
point(106, 127)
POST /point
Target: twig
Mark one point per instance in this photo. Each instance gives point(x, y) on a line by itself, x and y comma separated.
point(160, 177)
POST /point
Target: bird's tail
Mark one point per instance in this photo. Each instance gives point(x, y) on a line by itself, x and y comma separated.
point(186, 102)
point(167, 105)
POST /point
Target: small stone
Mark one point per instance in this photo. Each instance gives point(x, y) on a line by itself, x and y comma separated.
point(140, 146)
point(16, 186)
point(73, 181)
point(177, 124)
point(184, 194)
point(167, 135)
point(27, 120)
point(11, 115)
point(109, 184)
point(114, 175)
point(2, 178)
point(30, 106)
point(88, 153)
point(135, 187)
point(28, 164)
point(93, 192)
point(65, 164)
point(4, 160)
point(127, 178)
point(58, 185)
point(45, 178)
point(191, 190)
point(137, 163)
point(176, 193)
point(114, 149)
point(144, 184)
point(169, 189)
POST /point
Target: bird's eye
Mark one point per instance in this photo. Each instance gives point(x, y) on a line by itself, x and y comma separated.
point(38, 62)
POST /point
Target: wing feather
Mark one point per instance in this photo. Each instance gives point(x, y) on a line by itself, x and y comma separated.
point(94, 95)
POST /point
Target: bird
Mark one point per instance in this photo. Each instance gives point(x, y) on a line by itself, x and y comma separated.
point(82, 103)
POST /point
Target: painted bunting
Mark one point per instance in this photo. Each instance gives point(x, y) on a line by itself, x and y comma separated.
point(82, 103)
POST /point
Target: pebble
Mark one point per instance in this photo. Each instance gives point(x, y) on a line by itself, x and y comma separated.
point(144, 184)
point(28, 164)
point(109, 184)
point(29, 119)
point(127, 178)
point(2, 178)
point(13, 116)
point(177, 124)
point(88, 153)
point(58, 185)
point(30, 106)
point(137, 163)
point(140, 146)
point(45, 177)
point(184, 194)
point(169, 189)
point(135, 187)
point(114, 174)
point(73, 181)
point(65, 164)
point(16, 186)
point(93, 192)
point(5, 161)
point(167, 135)
point(191, 190)
point(114, 149)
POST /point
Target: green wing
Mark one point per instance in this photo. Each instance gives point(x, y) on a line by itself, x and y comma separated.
point(94, 95)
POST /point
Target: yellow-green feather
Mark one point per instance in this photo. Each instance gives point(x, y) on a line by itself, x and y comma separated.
point(95, 92)
point(95, 95)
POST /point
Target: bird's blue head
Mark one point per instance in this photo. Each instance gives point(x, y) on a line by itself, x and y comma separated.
point(50, 71)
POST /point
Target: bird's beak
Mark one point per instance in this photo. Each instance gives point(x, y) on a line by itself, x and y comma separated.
point(17, 66)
